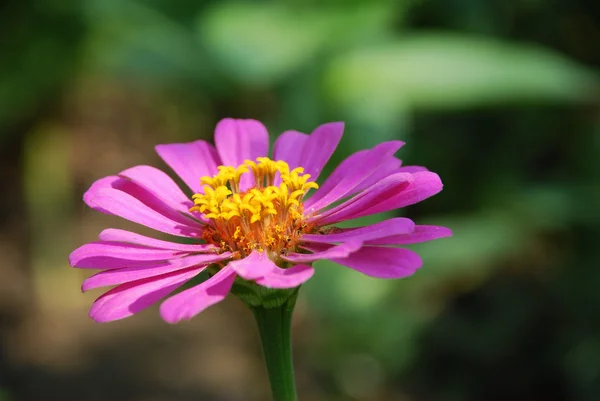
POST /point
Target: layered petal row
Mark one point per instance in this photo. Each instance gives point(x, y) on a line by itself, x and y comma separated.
point(145, 270)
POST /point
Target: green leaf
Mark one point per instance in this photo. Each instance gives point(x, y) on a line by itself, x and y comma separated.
point(449, 71)
point(130, 36)
point(262, 43)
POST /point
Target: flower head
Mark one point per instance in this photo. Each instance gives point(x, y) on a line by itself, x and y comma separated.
point(252, 219)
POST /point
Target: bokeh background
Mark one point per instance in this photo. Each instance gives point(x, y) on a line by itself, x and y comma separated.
point(499, 97)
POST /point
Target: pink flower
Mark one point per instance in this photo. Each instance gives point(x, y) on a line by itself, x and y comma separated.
point(249, 219)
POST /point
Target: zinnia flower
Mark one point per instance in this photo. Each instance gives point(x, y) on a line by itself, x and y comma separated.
point(250, 219)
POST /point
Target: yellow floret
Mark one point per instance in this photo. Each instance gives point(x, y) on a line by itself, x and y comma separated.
point(265, 216)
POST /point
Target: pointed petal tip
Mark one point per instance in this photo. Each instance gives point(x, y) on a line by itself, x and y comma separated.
point(76, 256)
point(226, 120)
point(71, 260)
point(169, 317)
point(88, 198)
point(173, 317)
point(444, 232)
point(98, 187)
point(337, 124)
point(98, 313)
point(396, 143)
point(105, 318)
point(335, 127)
point(97, 316)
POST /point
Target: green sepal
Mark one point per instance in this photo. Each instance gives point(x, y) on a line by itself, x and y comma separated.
point(255, 295)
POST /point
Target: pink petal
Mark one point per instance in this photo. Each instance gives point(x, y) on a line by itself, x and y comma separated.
point(122, 204)
point(110, 263)
point(287, 278)
point(420, 234)
point(253, 266)
point(387, 168)
point(160, 185)
point(411, 169)
point(120, 276)
point(143, 195)
point(288, 147)
point(366, 234)
point(116, 235)
point(190, 161)
point(239, 140)
point(337, 251)
point(423, 185)
point(133, 297)
point(379, 262)
point(351, 173)
point(319, 147)
point(95, 254)
point(257, 266)
point(359, 204)
point(192, 301)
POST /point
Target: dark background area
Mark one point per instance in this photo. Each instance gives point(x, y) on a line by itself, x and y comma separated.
point(498, 97)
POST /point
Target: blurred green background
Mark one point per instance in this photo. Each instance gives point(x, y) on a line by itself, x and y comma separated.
point(499, 97)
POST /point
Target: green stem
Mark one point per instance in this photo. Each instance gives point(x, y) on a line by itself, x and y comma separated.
point(274, 325)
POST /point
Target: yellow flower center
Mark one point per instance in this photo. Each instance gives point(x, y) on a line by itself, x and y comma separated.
point(265, 217)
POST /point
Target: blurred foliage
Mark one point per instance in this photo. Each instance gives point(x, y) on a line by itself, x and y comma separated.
point(500, 98)
point(39, 51)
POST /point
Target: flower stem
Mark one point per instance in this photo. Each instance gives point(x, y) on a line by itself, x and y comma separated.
point(274, 326)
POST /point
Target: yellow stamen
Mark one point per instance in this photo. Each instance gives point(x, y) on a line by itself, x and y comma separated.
point(264, 217)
